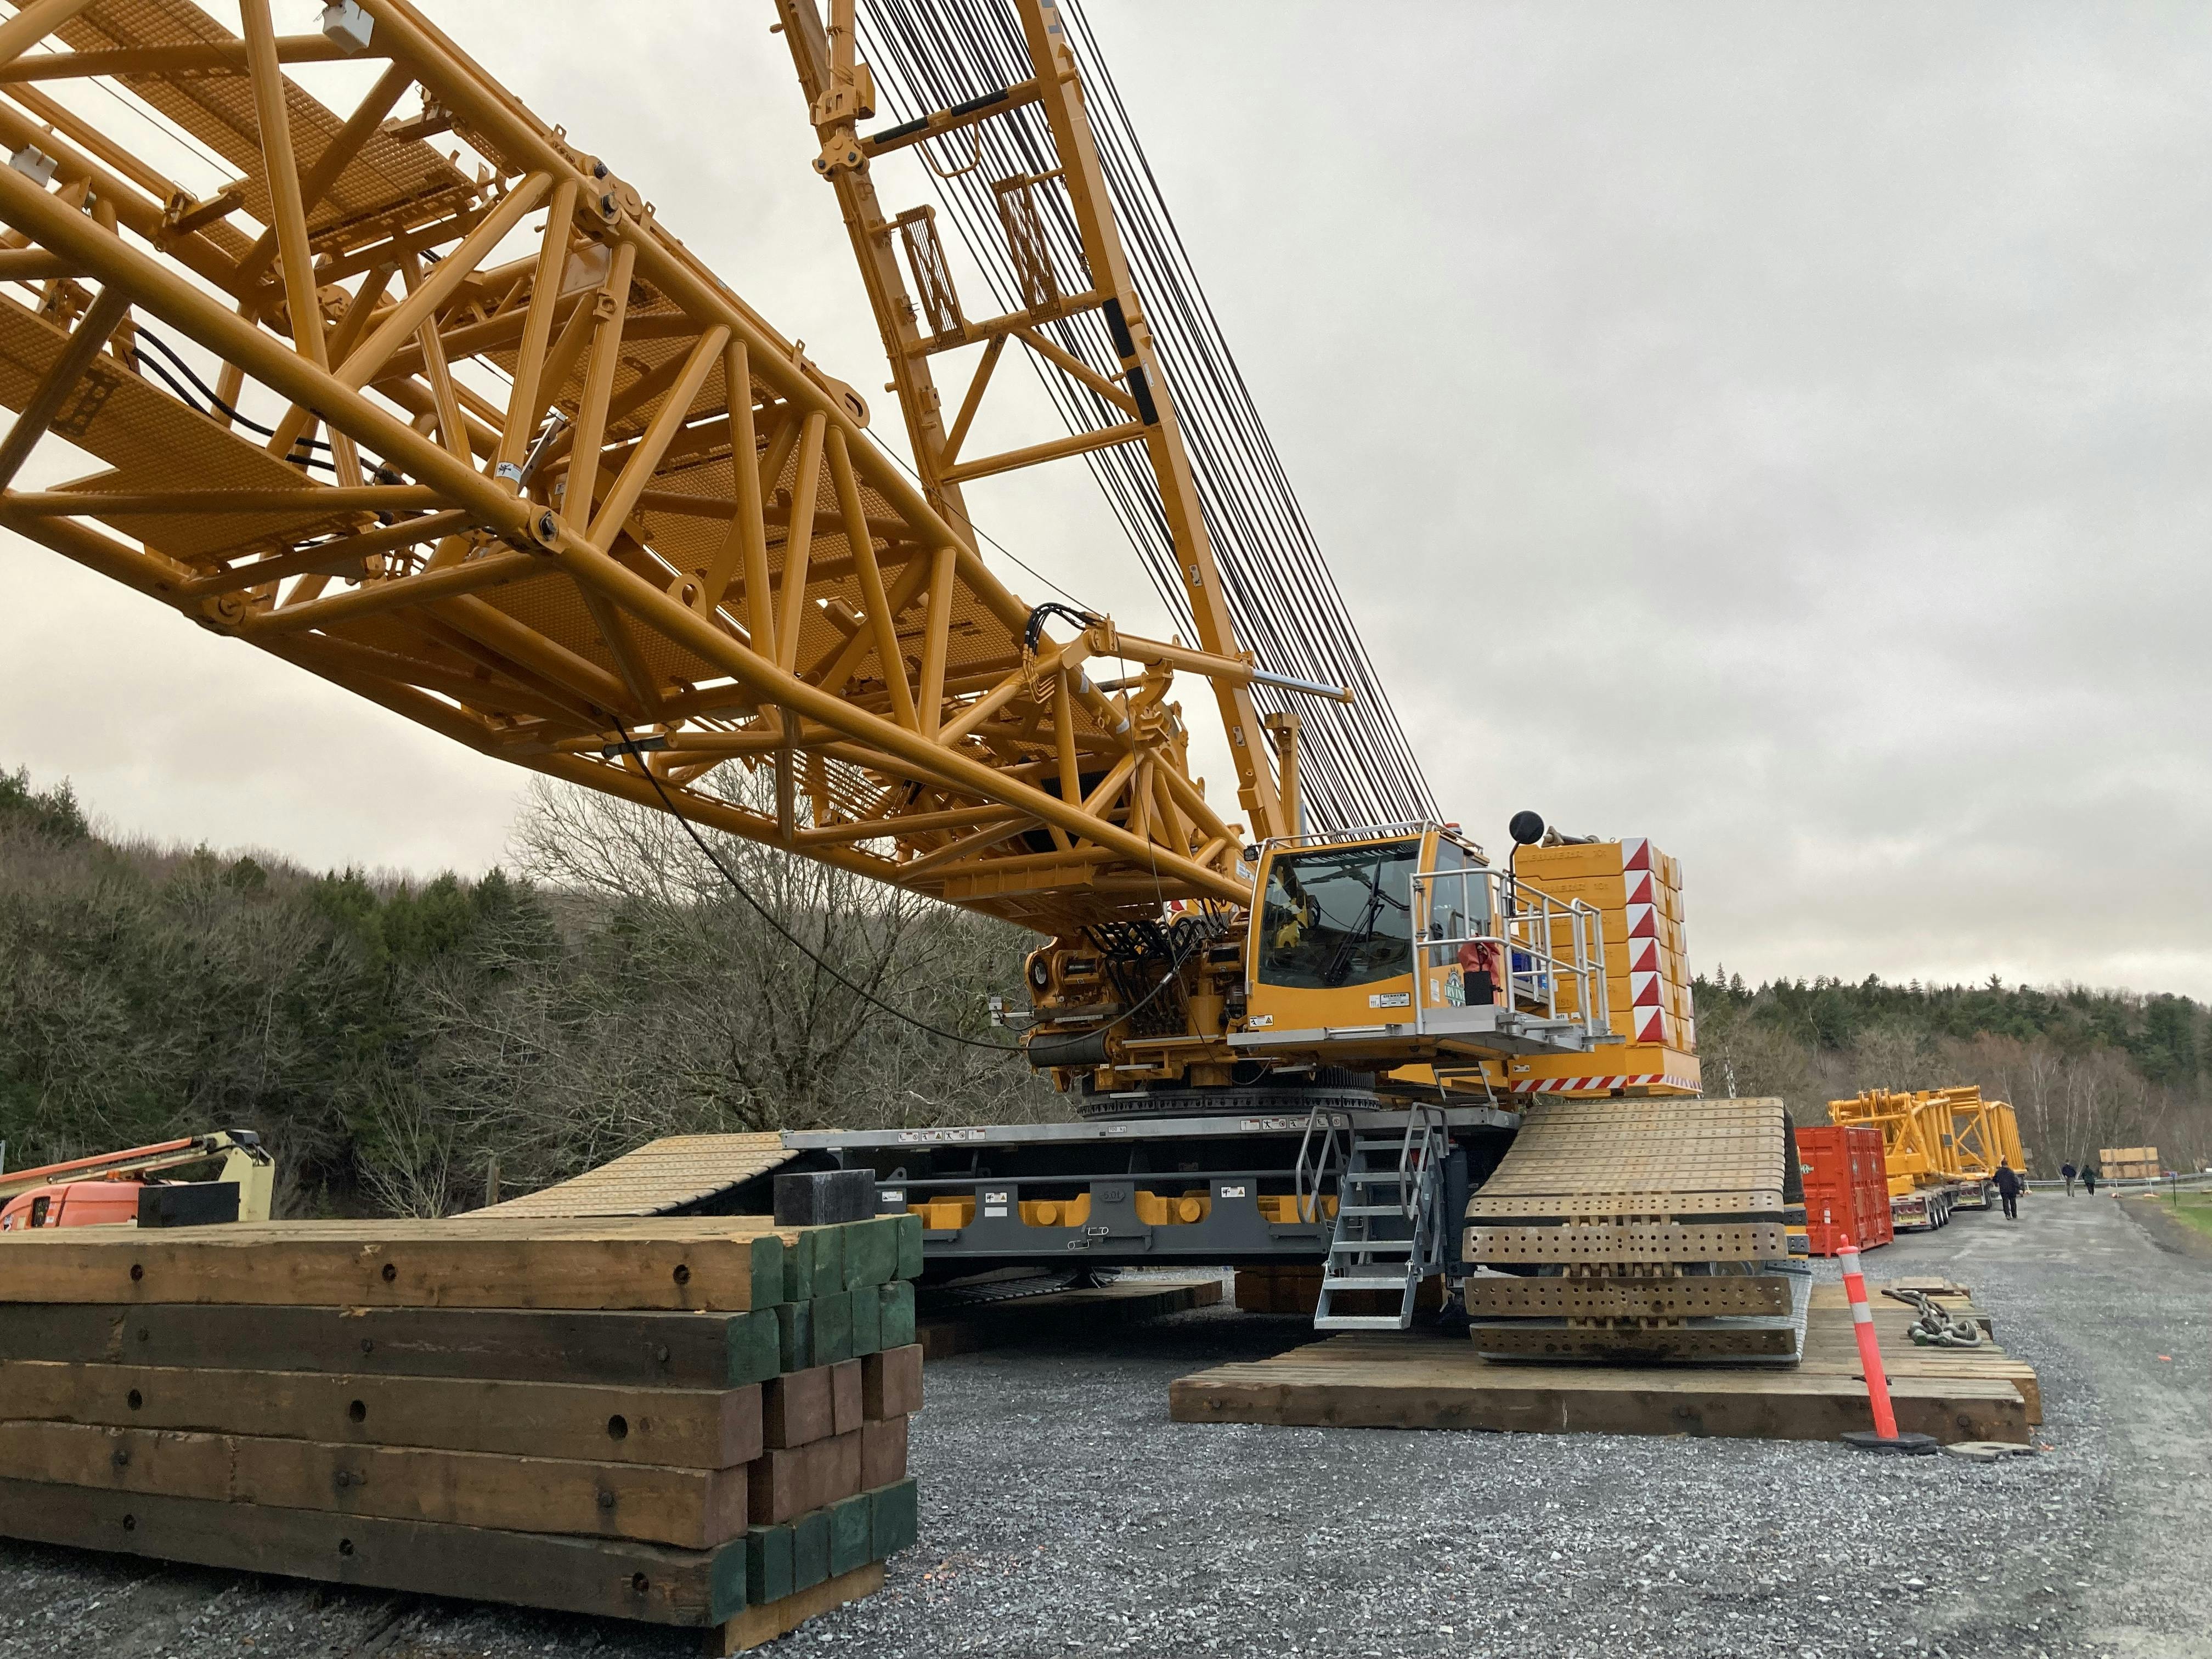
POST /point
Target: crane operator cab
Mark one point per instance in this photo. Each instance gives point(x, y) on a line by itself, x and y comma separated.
point(1404, 943)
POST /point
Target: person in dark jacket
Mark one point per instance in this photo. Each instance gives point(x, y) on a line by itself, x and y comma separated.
point(2089, 1178)
point(2068, 1171)
point(2007, 1180)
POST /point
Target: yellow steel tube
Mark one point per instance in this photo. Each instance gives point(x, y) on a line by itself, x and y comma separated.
point(429, 297)
point(883, 624)
point(668, 421)
point(674, 271)
point(65, 230)
point(34, 23)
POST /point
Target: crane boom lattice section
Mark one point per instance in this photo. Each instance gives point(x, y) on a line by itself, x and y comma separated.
point(959, 75)
point(473, 435)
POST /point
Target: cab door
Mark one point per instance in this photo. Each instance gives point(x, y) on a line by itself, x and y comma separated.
point(1459, 964)
point(1333, 935)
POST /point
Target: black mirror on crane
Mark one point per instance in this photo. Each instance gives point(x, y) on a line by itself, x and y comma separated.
point(1526, 829)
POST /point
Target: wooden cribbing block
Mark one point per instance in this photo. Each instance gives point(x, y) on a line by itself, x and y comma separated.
point(868, 1305)
point(882, 1452)
point(828, 1261)
point(845, 1395)
point(785, 1563)
point(809, 1549)
point(756, 1626)
point(651, 1350)
point(797, 1408)
point(768, 1565)
point(849, 1533)
point(831, 1330)
point(694, 1509)
point(430, 1264)
point(895, 1519)
point(793, 1565)
point(840, 1467)
point(789, 1481)
point(612, 1578)
point(898, 1312)
point(871, 1250)
point(798, 1254)
point(795, 1336)
point(833, 1327)
point(910, 1247)
point(1281, 1290)
point(699, 1429)
point(1278, 1290)
point(813, 1262)
point(1419, 1382)
point(782, 1485)
point(890, 1382)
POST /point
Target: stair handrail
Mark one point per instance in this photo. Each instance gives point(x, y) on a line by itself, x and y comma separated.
point(1427, 1123)
point(1308, 1208)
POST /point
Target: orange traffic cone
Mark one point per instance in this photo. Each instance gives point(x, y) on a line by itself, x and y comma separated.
point(1884, 1437)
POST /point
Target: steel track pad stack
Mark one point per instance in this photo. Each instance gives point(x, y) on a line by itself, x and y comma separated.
point(1639, 1231)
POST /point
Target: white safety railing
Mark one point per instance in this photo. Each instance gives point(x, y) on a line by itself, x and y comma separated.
point(1541, 952)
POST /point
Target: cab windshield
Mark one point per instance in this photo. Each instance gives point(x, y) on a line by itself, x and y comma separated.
point(1343, 915)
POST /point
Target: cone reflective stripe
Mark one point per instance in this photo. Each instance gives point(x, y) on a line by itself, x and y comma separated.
point(1885, 1419)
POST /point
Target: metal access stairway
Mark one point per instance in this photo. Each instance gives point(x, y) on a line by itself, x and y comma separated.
point(1389, 1234)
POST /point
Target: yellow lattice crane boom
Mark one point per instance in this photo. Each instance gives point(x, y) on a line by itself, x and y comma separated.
point(502, 485)
point(482, 440)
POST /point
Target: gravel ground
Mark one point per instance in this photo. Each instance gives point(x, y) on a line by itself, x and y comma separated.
point(1064, 1514)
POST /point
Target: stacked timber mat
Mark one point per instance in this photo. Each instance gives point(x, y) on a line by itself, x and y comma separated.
point(1428, 1380)
point(1640, 1231)
point(694, 1421)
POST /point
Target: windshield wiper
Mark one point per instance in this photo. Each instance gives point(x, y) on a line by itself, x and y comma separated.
point(1339, 960)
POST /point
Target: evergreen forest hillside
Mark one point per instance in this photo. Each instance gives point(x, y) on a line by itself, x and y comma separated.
point(2084, 1069)
point(391, 1039)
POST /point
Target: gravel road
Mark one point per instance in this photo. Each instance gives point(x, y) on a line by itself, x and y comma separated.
point(1063, 1514)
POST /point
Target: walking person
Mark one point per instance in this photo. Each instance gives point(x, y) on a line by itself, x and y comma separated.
point(2089, 1178)
point(2008, 1181)
point(2068, 1171)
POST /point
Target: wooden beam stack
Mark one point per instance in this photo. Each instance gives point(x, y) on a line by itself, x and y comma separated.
point(1426, 1379)
point(694, 1421)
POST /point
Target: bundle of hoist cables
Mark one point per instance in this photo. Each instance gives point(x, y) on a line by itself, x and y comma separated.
point(1356, 766)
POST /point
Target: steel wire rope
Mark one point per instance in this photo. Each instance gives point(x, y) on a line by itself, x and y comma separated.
point(1232, 397)
point(1264, 629)
point(631, 746)
point(1281, 595)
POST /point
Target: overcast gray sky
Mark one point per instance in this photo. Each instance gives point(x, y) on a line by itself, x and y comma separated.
point(1778, 430)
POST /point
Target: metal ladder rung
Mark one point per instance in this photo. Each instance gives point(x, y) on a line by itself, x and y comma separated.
point(1335, 1322)
point(1366, 1282)
point(1371, 1209)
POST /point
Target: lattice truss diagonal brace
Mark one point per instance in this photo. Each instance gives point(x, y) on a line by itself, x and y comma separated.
point(1064, 201)
point(526, 472)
